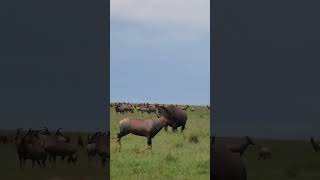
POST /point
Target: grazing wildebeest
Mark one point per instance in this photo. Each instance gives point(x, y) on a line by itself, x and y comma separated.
point(119, 109)
point(225, 164)
point(241, 148)
point(178, 118)
point(264, 153)
point(147, 128)
point(315, 145)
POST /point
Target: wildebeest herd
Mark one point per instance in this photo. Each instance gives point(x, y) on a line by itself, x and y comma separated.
point(43, 147)
point(227, 159)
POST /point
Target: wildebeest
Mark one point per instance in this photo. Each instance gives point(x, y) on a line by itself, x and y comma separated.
point(178, 118)
point(98, 144)
point(264, 153)
point(63, 150)
point(147, 128)
point(241, 148)
point(29, 147)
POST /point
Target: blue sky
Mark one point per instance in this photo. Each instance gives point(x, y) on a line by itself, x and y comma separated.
point(160, 51)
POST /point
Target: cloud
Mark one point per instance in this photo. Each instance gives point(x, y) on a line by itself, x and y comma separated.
point(190, 14)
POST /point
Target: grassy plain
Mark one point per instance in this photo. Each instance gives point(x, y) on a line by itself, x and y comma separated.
point(173, 156)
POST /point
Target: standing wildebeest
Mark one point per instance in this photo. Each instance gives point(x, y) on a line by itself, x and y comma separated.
point(57, 145)
point(29, 147)
point(98, 144)
point(241, 148)
point(63, 150)
point(178, 118)
point(264, 153)
point(225, 164)
point(119, 109)
point(315, 145)
point(147, 128)
point(152, 109)
point(102, 147)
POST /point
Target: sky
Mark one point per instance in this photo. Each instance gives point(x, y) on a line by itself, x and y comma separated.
point(53, 66)
point(160, 51)
point(268, 69)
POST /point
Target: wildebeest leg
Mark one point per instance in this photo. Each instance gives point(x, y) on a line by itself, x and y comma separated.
point(21, 163)
point(38, 162)
point(182, 128)
point(174, 129)
point(119, 136)
point(24, 162)
point(54, 160)
point(149, 145)
point(165, 128)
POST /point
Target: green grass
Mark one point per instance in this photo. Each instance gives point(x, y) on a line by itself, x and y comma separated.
point(10, 167)
point(173, 156)
point(291, 160)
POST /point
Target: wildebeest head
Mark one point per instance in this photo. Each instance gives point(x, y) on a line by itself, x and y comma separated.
point(249, 140)
point(166, 113)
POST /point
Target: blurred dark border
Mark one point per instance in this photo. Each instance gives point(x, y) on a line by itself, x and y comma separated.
point(54, 64)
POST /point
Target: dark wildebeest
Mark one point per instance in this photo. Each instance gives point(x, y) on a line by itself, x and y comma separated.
point(29, 147)
point(98, 144)
point(178, 118)
point(264, 153)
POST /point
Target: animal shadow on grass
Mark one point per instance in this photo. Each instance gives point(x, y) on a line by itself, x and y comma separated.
point(142, 151)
